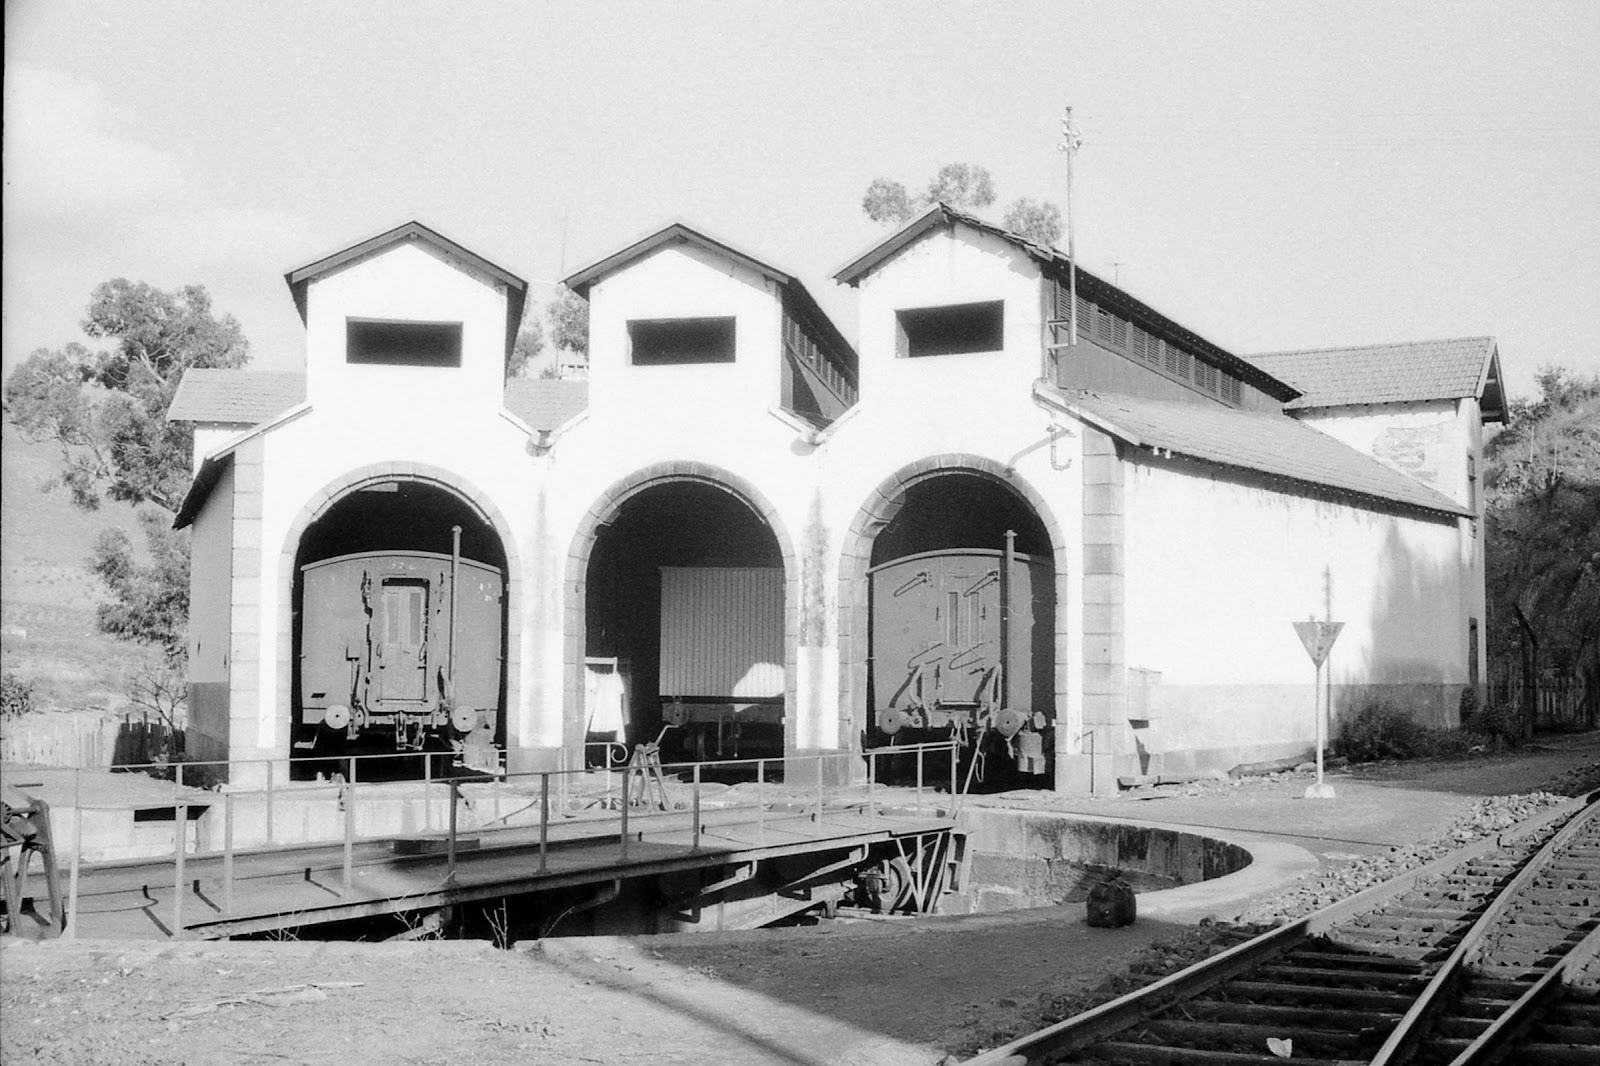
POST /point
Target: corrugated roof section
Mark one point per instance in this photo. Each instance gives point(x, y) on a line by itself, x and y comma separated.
point(546, 403)
point(1383, 373)
point(242, 397)
point(1271, 444)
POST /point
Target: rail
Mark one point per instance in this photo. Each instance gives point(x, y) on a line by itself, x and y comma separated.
point(612, 800)
point(1141, 1007)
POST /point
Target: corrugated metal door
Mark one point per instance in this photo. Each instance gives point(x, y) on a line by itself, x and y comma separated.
point(722, 632)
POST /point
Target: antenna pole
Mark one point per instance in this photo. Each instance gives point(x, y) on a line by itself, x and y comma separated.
point(1070, 143)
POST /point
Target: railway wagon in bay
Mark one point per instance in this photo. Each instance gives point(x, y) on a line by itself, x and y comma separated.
point(722, 658)
point(400, 651)
point(961, 646)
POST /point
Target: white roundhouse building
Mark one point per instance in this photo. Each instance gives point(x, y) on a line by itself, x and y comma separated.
point(722, 505)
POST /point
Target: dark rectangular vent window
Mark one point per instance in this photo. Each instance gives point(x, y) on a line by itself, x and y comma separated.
point(952, 330)
point(677, 341)
point(382, 341)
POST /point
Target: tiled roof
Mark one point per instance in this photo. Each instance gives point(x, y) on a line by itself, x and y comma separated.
point(244, 397)
point(248, 397)
point(1271, 444)
point(546, 403)
point(1384, 373)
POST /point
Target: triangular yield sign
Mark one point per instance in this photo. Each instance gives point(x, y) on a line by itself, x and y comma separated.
point(1318, 637)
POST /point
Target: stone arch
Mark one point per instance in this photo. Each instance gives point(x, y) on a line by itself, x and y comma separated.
point(353, 481)
point(575, 583)
point(880, 507)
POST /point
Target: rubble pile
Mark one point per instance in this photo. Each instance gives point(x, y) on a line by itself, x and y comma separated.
point(1485, 817)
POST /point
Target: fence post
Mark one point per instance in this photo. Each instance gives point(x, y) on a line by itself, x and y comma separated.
point(819, 790)
point(761, 801)
point(269, 803)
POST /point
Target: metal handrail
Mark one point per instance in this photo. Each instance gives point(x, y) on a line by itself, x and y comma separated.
point(349, 791)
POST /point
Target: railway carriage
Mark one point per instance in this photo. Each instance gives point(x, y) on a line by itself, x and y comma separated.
point(961, 646)
point(400, 651)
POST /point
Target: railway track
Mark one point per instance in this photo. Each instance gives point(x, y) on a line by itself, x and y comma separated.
point(1485, 955)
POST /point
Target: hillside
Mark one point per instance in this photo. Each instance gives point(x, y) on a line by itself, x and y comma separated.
point(47, 595)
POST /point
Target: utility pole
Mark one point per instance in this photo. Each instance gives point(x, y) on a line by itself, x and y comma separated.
point(1070, 143)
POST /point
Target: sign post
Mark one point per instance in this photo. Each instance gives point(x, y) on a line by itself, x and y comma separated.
point(1318, 638)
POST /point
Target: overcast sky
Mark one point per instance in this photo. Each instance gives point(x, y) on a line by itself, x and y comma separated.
point(1272, 175)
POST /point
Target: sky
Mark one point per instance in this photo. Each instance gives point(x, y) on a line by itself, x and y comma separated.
point(1272, 175)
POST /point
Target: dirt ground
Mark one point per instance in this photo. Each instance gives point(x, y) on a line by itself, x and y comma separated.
point(879, 992)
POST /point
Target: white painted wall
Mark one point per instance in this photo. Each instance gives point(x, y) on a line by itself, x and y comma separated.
point(718, 415)
point(979, 404)
point(360, 415)
point(407, 282)
point(1216, 573)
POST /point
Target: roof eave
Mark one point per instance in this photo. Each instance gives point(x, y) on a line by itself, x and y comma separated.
point(300, 278)
point(581, 281)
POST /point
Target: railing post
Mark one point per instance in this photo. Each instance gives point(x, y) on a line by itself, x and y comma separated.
point(819, 790)
point(227, 852)
point(269, 803)
point(77, 850)
point(761, 801)
point(954, 759)
point(920, 750)
point(872, 776)
point(450, 860)
point(625, 776)
point(695, 837)
point(180, 827)
point(351, 776)
point(349, 797)
point(544, 821)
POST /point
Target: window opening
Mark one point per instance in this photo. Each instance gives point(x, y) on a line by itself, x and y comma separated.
point(391, 343)
point(955, 329)
point(681, 341)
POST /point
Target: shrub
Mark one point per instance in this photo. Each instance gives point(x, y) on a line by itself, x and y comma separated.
point(1382, 731)
point(1498, 723)
point(16, 696)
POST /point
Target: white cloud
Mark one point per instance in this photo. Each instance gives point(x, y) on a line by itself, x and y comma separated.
point(63, 159)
